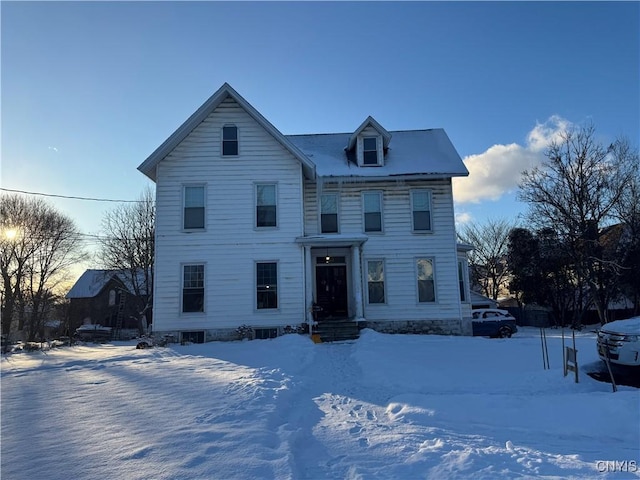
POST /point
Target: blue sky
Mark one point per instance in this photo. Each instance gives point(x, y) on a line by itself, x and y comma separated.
point(89, 90)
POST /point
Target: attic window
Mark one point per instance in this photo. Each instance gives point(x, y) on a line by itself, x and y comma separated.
point(370, 151)
point(229, 140)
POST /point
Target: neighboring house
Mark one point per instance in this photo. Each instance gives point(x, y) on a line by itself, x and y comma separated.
point(480, 301)
point(260, 229)
point(104, 297)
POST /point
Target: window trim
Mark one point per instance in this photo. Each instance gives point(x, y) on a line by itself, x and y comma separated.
point(430, 196)
point(417, 285)
point(204, 206)
point(384, 280)
point(222, 140)
point(337, 196)
point(255, 286)
point(204, 287)
point(380, 194)
point(255, 206)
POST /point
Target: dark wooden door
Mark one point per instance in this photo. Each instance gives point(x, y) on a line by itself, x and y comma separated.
point(331, 291)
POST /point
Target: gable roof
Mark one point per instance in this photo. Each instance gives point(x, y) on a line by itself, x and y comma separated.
point(92, 282)
point(415, 153)
point(479, 299)
point(148, 167)
point(370, 121)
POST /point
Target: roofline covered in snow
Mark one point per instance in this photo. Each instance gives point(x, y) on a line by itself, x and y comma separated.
point(390, 177)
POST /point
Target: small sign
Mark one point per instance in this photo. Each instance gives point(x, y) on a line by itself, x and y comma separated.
point(571, 361)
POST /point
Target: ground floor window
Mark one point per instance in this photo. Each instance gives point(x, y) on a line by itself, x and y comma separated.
point(192, 288)
point(265, 333)
point(461, 281)
point(426, 284)
point(193, 337)
point(266, 285)
point(375, 281)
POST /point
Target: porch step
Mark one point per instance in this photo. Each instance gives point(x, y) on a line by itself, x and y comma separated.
point(337, 330)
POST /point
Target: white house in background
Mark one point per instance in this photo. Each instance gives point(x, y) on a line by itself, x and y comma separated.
point(260, 229)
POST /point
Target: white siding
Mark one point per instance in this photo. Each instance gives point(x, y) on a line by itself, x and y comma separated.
point(399, 247)
point(230, 244)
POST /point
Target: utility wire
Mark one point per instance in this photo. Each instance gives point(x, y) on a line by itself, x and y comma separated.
point(71, 197)
point(92, 237)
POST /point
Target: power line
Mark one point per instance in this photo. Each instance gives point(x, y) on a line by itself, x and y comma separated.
point(93, 237)
point(71, 197)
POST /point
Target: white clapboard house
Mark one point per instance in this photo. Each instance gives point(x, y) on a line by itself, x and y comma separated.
point(270, 232)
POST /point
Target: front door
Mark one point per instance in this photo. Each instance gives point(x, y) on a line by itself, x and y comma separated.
point(331, 291)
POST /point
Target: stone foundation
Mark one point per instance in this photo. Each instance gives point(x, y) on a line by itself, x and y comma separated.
point(215, 335)
point(422, 327)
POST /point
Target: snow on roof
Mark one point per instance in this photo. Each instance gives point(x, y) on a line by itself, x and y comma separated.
point(411, 152)
point(91, 283)
point(478, 298)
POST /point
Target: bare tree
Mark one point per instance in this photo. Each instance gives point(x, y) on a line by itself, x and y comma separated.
point(575, 193)
point(38, 246)
point(128, 244)
point(487, 261)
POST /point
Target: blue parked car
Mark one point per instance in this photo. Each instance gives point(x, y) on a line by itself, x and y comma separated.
point(493, 322)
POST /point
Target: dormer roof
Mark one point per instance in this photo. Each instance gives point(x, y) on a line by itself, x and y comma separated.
point(370, 121)
point(414, 154)
point(148, 167)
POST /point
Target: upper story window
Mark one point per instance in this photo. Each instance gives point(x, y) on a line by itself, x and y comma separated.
point(229, 140)
point(372, 209)
point(266, 205)
point(370, 151)
point(329, 213)
point(421, 210)
point(193, 201)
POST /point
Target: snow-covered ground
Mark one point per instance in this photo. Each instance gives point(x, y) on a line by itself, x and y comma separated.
point(382, 407)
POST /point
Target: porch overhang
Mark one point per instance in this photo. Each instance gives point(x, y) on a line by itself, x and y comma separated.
point(332, 240)
point(354, 243)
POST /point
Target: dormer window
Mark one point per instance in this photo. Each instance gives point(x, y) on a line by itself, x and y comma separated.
point(229, 140)
point(370, 151)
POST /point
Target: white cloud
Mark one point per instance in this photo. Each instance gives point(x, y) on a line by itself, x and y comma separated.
point(463, 217)
point(53, 148)
point(497, 170)
point(544, 133)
